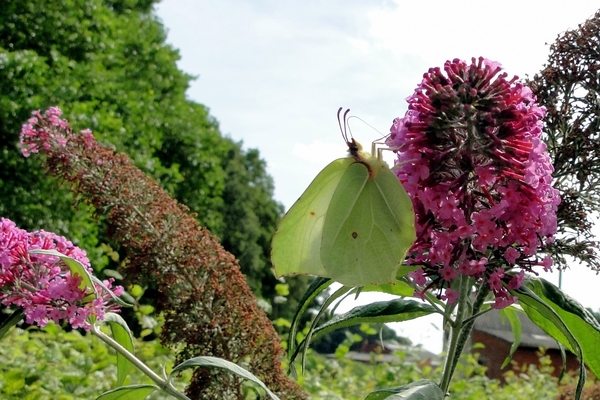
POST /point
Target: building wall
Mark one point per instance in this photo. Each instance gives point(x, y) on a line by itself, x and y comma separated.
point(496, 350)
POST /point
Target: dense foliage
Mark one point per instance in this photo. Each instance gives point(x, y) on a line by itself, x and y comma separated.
point(29, 360)
point(106, 63)
point(54, 364)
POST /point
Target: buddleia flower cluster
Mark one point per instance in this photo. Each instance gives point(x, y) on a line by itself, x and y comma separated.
point(42, 286)
point(41, 132)
point(471, 158)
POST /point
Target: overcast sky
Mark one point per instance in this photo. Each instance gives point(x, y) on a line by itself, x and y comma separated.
point(274, 73)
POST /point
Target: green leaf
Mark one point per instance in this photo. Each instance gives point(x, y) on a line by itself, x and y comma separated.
point(396, 310)
point(133, 392)
point(584, 327)
point(136, 291)
point(511, 314)
point(282, 289)
point(76, 268)
point(306, 342)
point(11, 321)
point(115, 298)
point(419, 390)
point(123, 336)
point(316, 287)
point(127, 299)
point(561, 317)
point(400, 288)
point(215, 362)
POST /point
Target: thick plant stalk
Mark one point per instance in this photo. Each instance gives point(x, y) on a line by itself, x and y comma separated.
point(162, 383)
point(209, 309)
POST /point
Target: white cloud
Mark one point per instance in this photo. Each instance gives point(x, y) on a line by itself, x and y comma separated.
point(360, 44)
point(514, 32)
point(319, 152)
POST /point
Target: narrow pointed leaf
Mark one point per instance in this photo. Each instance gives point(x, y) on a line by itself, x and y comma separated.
point(419, 390)
point(306, 342)
point(215, 362)
point(399, 289)
point(122, 334)
point(316, 288)
point(563, 358)
point(76, 268)
point(11, 321)
point(133, 392)
point(543, 313)
point(584, 327)
point(511, 314)
point(115, 298)
point(396, 310)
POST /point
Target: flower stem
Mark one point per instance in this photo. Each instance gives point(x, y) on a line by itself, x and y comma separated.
point(461, 331)
point(453, 347)
point(163, 384)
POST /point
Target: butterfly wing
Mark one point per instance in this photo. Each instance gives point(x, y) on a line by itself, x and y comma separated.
point(368, 227)
point(296, 244)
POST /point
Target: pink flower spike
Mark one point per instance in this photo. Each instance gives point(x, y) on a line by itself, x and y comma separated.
point(420, 294)
point(448, 273)
point(88, 138)
point(495, 280)
point(42, 285)
point(54, 112)
point(479, 177)
point(504, 301)
point(511, 254)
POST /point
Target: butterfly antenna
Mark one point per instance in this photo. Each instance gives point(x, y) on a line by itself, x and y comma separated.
point(340, 121)
point(382, 136)
point(343, 129)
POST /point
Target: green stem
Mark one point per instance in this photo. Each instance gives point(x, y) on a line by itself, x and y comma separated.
point(467, 324)
point(455, 329)
point(163, 384)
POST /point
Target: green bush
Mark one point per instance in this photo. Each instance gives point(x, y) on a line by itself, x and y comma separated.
point(341, 378)
point(54, 364)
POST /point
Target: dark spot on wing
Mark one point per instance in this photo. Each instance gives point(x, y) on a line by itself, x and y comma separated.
point(312, 213)
point(354, 235)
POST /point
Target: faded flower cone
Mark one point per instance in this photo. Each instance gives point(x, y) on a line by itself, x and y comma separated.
point(207, 305)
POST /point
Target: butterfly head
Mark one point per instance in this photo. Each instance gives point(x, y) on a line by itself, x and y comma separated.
point(354, 148)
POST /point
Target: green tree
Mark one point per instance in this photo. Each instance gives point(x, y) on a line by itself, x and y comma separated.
point(106, 64)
